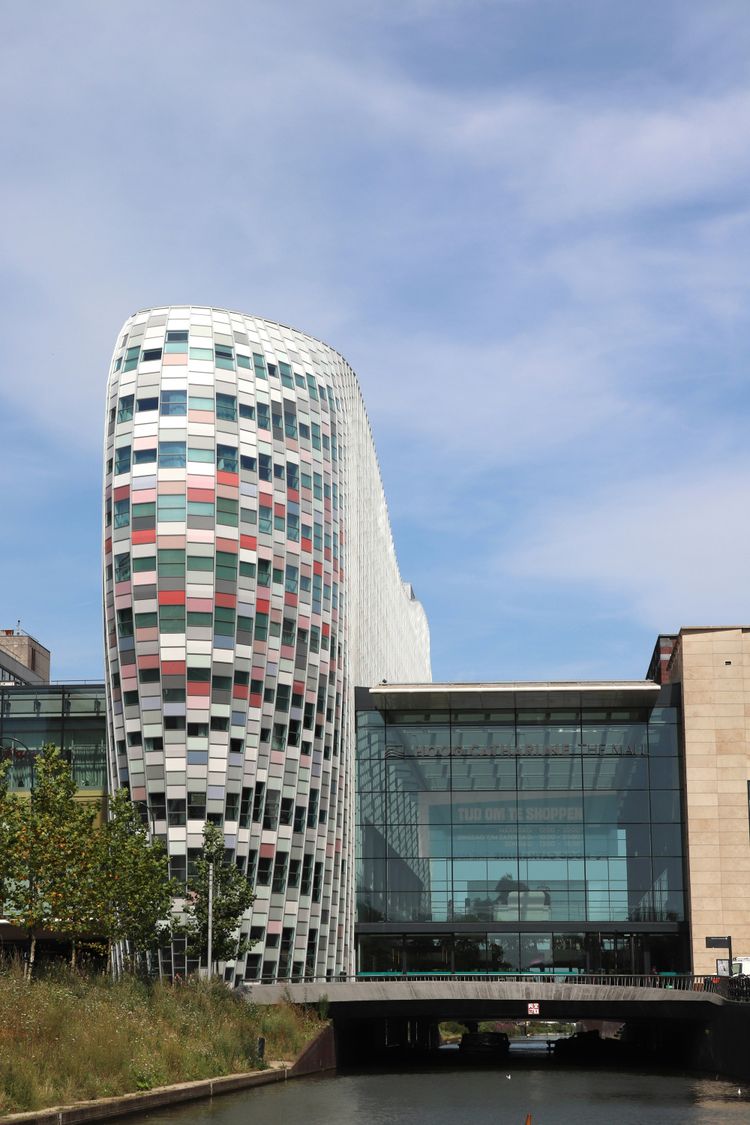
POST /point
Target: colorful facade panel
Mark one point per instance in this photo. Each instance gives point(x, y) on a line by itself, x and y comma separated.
point(250, 582)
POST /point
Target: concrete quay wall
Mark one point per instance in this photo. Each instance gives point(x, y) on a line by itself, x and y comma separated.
point(317, 1057)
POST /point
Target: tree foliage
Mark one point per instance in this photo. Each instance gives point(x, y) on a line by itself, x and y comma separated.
point(232, 896)
point(53, 869)
point(9, 826)
point(138, 893)
point(63, 872)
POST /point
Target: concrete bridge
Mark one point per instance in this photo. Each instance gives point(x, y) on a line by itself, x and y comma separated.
point(681, 1019)
point(614, 998)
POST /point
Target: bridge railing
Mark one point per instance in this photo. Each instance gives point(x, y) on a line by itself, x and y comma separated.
point(731, 988)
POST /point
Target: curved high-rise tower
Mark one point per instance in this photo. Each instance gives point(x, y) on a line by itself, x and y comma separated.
point(250, 584)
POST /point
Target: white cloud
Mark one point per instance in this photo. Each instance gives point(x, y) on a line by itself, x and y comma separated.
point(539, 289)
point(668, 549)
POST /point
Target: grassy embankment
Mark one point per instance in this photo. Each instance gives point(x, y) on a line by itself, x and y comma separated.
point(69, 1038)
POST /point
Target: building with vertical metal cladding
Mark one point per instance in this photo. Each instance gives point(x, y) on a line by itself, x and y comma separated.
point(250, 581)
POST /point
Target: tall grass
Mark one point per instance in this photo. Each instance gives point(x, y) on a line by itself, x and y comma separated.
point(68, 1037)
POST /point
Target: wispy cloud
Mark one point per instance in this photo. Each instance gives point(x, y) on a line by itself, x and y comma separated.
point(668, 548)
point(535, 259)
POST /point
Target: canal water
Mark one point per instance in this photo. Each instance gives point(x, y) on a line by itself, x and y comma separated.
point(477, 1097)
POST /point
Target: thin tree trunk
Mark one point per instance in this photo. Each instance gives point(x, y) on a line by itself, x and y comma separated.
point(32, 955)
point(73, 954)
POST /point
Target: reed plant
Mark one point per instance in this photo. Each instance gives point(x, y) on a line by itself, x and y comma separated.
point(68, 1037)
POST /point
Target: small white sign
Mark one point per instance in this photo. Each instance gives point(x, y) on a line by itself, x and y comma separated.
point(533, 1009)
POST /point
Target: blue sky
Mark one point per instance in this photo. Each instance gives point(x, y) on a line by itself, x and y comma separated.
point(526, 224)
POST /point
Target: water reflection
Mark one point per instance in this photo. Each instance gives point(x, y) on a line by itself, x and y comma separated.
point(485, 1097)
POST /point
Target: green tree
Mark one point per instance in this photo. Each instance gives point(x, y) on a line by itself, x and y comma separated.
point(9, 827)
point(232, 896)
point(53, 877)
point(63, 873)
point(137, 892)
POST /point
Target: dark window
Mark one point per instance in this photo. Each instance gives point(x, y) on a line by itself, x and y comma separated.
point(196, 805)
point(265, 867)
point(258, 801)
point(226, 407)
point(279, 873)
point(174, 402)
point(226, 458)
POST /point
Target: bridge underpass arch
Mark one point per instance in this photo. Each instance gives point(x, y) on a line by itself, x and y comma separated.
point(377, 1019)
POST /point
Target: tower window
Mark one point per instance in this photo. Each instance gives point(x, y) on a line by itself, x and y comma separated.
point(174, 402)
point(226, 407)
point(125, 411)
point(226, 458)
point(171, 454)
point(122, 513)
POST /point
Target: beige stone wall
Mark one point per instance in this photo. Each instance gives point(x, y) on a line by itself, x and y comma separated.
point(26, 651)
point(714, 668)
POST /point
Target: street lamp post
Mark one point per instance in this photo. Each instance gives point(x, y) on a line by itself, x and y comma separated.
point(210, 918)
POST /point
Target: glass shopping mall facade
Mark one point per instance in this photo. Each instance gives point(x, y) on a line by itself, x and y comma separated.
point(519, 827)
point(70, 716)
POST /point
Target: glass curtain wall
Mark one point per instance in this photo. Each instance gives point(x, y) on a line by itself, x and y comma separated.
point(513, 817)
point(71, 716)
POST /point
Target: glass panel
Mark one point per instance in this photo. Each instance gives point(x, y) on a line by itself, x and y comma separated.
point(663, 715)
point(479, 739)
point(483, 773)
point(666, 805)
point(417, 741)
point(372, 841)
point(662, 740)
point(536, 953)
point(569, 953)
point(370, 774)
point(30, 701)
point(616, 807)
point(551, 888)
point(378, 954)
point(548, 740)
point(84, 745)
point(609, 840)
point(470, 953)
point(492, 840)
point(413, 774)
point(426, 954)
point(615, 773)
point(405, 808)
point(371, 807)
point(667, 839)
point(665, 773)
point(413, 907)
point(432, 841)
point(502, 953)
point(473, 894)
point(84, 701)
point(549, 809)
point(620, 739)
point(668, 873)
point(549, 773)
